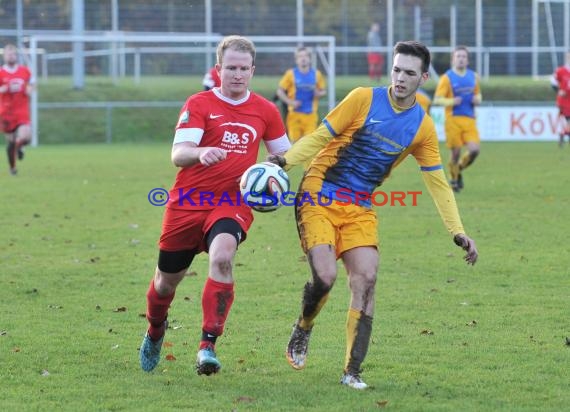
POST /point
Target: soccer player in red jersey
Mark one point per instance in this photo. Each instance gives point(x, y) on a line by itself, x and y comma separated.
point(211, 79)
point(561, 79)
point(16, 85)
point(217, 138)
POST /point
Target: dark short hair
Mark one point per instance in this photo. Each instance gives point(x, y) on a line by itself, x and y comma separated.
point(414, 48)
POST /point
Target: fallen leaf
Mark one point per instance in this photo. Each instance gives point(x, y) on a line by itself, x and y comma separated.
point(450, 280)
point(567, 341)
point(170, 357)
point(168, 344)
point(55, 307)
point(187, 298)
point(426, 332)
point(44, 373)
point(97, 307)
point(120, 309)
point(472, 323)
point(115, 347)
point(94, 259)
point(191, 273)
point(382, 404)
point(142, 315)
point(177, 327)
point(5, 332)
point(16, 349)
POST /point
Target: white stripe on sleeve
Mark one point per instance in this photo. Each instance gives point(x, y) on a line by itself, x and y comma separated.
point(279, 145)
point(193, 135)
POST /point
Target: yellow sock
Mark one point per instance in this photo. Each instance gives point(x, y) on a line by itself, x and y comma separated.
point(453, 170)
point(307, 320)
point(358, 331)
point(465, 161)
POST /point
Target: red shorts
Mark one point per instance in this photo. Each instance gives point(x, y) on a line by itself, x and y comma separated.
point(11, 125)
point(184, 229)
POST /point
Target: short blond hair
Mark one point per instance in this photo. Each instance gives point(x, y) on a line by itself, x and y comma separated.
point(237, 43)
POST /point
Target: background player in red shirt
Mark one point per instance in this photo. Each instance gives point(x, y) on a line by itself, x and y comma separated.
point(217, 138)
point(211, 79)
point(16, 85)
point(561, 83)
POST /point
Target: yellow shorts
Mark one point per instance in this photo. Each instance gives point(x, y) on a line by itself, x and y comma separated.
point(460, 130)
point(342, 226)
point(300, 124)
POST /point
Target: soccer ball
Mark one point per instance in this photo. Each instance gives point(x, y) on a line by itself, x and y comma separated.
point(263, 185)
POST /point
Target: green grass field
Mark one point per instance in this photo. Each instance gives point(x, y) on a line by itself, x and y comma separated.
point(78, 247)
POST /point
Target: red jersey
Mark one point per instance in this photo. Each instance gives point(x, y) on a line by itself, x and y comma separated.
point(15, 103)
point(562, 76)
point(211, 120)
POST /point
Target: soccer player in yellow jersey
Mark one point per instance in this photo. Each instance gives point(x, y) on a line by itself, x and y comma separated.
point(300, 89)
point(358, 144)
point(459, 91)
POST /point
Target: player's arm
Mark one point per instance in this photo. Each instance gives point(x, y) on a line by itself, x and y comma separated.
point(443, 95)
point(477, 97)
point(304, 149)
point(282, 95)
point(426, 152)
point(321, 85)
point(286, 83)
point(187, 154)
point(554, 83)
point(444, 200)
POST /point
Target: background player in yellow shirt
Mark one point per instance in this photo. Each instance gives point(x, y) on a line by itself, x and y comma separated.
point(300, 89)
point(358, 144)
point(459, 91)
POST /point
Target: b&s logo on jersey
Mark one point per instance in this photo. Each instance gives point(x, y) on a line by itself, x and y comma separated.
point(237, 137)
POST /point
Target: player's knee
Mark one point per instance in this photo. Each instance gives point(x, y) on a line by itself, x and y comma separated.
point(165, 283)
point(221, 261)
point(365, 280)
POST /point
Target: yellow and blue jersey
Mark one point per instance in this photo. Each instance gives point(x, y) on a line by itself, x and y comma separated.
point(301, 86)
point(466, 86)
point(362, 140)
point(370, 136)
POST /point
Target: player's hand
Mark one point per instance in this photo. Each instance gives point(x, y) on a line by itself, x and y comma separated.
point(277, 159)
point(4, 88)
point(212, 155)
point(468, 245)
